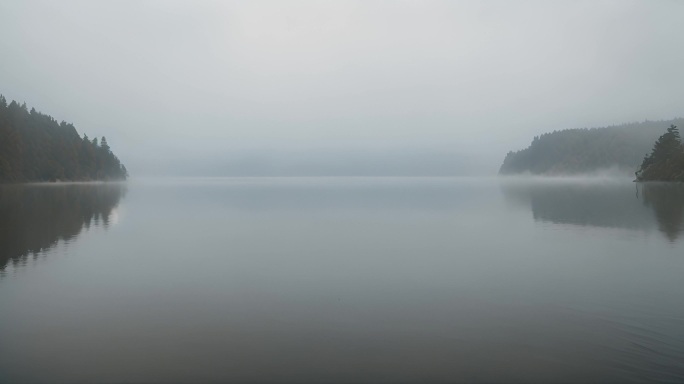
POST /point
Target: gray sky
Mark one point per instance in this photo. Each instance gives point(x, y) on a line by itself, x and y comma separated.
point(176, 86)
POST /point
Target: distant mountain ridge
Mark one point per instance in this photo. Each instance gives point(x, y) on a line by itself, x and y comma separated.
point(35, 147)
point(584, 150)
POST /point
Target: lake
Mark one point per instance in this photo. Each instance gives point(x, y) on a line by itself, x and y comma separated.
point(342, 280)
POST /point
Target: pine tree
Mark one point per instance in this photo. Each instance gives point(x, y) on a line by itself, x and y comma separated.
point(665, 161)
point(104, 145)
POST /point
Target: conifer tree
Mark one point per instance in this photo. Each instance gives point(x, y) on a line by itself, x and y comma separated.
point(666, 160)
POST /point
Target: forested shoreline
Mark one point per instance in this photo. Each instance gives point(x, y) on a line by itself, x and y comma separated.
point(576, 151)
point(34, 147)
point(666, 160)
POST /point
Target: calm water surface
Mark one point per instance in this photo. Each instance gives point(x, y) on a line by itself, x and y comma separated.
point(342, 280)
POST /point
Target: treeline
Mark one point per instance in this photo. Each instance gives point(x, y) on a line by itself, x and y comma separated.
point(666, 160)
point(575, 151)
point(35, 147)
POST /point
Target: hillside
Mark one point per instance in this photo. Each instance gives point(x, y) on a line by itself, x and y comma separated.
point(574, 151)
point(35, 147)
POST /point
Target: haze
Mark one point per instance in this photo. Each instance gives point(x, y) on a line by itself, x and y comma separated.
point(338, 88)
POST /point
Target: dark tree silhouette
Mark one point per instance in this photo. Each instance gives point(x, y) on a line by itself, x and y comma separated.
point(34, 147)
point(585, 150)
point(666, 160)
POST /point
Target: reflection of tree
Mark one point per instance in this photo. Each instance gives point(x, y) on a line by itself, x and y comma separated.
point(600, 205)
point(36, 217)
point(667, 202)
point(604, 205)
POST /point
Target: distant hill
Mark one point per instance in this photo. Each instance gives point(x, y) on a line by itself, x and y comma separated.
point(574, 151)
point(35, 147)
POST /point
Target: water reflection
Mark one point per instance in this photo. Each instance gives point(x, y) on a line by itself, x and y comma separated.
point(301, 280)
point(316, 194)
point(667, 202)
point(36, 217)
point(611, 204)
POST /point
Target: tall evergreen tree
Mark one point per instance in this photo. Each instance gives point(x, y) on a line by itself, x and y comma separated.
point(104, 145)
point(666, 160)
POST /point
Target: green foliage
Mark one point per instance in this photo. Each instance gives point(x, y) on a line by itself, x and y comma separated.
point(666, 160)
point(34, 147)
point(574, 151)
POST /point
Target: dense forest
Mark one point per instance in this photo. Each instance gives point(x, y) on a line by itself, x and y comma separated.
point(575, 151)
point(35, 147)
point(666, 160)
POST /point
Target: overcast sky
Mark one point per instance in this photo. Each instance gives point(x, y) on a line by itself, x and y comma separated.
point(202, 82)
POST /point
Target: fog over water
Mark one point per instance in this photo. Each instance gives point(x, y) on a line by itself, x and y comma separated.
point(338, 88)
point(313, 194)
point(342, 280)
